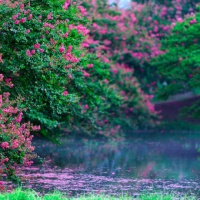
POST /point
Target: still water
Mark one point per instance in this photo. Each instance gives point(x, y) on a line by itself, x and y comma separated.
point(133, 166)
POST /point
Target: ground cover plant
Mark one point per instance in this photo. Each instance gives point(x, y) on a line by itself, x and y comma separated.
point(32, 195)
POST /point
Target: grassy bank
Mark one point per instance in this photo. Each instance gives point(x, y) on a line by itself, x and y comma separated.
point(31, 195)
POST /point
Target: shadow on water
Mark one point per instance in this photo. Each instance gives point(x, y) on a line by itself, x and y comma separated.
point(118, 166)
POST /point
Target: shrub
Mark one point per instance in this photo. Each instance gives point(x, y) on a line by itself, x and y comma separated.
point(15, 139)
point(44, 55)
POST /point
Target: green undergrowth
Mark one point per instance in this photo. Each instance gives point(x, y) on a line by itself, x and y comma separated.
point(19, 194)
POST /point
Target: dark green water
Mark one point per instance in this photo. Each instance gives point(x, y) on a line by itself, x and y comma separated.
point(155, 162)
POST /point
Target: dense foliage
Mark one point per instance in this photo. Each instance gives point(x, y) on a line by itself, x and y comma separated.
point(42, 49)
point(85, 67)
point(113, 37)
point(15, 138)
point(180, 64)
point(131, 38)
point(44, 59)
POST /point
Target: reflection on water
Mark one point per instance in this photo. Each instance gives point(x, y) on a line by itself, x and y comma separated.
point(128, 166)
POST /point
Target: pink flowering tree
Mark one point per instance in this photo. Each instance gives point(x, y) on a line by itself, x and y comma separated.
point(45, 56)
point(132, 37)
point(127, 39)
point(180, 64)
point(114, 39)
point(16, 150)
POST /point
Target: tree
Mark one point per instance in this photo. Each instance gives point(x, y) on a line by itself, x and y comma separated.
point(43, 55)
point(180, 64)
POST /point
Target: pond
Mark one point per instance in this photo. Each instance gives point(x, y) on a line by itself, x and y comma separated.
point(159, 162)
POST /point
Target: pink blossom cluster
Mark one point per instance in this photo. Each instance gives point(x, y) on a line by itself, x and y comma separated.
point(50, 16)
point(17, 134)
point(48, 25)
point(23, 19)
point(83, 10)
point(32, 52)
point(80, 28)
point(68, 56)
point(86, 74)
point(66, 4)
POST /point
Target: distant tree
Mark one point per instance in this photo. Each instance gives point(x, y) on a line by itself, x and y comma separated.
point(180, 64)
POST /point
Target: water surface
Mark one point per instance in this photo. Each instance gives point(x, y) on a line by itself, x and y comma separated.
point(157, 163)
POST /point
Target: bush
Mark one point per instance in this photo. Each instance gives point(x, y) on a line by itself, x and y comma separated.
point(44, 55)
point(15, 139)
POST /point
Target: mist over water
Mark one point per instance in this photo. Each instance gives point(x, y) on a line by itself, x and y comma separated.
point(155, 164)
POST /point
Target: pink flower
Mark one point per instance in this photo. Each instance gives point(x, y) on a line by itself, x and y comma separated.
point(5, 145)
point(33, 51)
point(49, 25)
point(41, 50)
point(65, 93)
point(23, 20)
point(37, 46)
point(82, 10)
point(180, 19)
point(90, 66)
point(1, 103)
point(193, 21)
point(86, 74)
point(52, 41)
point(50, 16)
point(28, 53)
point(25, 12)
point(69, 49)
point(66, 4)
point(28, 31)
point(21, 6)
point(19, 117)
point(7, 80)
point(17, 22)
point(66, 34)
point(30, 17)
point(62, 49)
point(86, 106)
point(1, 77)
point(15, 17)
point(15, 144)
point(35, 128)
